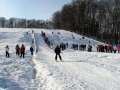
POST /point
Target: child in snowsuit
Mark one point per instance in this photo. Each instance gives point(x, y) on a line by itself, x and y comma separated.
point(7, 51)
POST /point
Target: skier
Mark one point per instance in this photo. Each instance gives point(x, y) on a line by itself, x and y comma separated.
point(22, 51)
point(7, 51)
point(57, 51)
point(31, 50)
point(17, 50)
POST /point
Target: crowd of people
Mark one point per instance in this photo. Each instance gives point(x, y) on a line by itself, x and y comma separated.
point(20, 51)
point(108, 48)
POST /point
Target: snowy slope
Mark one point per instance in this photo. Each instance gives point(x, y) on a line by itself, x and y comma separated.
point(82, 70)
point(67, 37)
point(15, 73)
point(79, 71)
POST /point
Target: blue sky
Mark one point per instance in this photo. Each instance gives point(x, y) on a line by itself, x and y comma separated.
point(30, 9)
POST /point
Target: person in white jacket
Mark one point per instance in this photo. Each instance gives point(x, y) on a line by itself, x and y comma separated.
point(7, 51)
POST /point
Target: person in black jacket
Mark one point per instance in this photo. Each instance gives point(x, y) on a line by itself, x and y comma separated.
point(7, 51)
point(31, 50)
point(17, 50)
point(58, 51)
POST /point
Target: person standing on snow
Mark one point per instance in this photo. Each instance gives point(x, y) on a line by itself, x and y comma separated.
point(115, 48)
point(17, 50)
point(7, 51)
point(31, 50)
point(89, 48)
point(22, 51)
point(57, 51)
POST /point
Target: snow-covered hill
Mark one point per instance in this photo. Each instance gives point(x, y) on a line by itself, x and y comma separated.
point(81, 70)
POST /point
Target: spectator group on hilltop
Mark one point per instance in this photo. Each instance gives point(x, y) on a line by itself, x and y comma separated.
point(108, 48)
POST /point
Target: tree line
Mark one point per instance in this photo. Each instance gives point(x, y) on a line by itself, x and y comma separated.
point(24, 23)
point(98, 19)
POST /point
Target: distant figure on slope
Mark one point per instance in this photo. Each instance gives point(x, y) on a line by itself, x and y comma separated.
point(89, 48)
point(114, 48)
point(31, 50)
point(7, 51)
point(17, 50)
point(58, 51)
point(22, 51)
point(106, 48)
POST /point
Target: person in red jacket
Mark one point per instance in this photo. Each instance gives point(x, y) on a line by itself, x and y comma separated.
point(22, 51)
